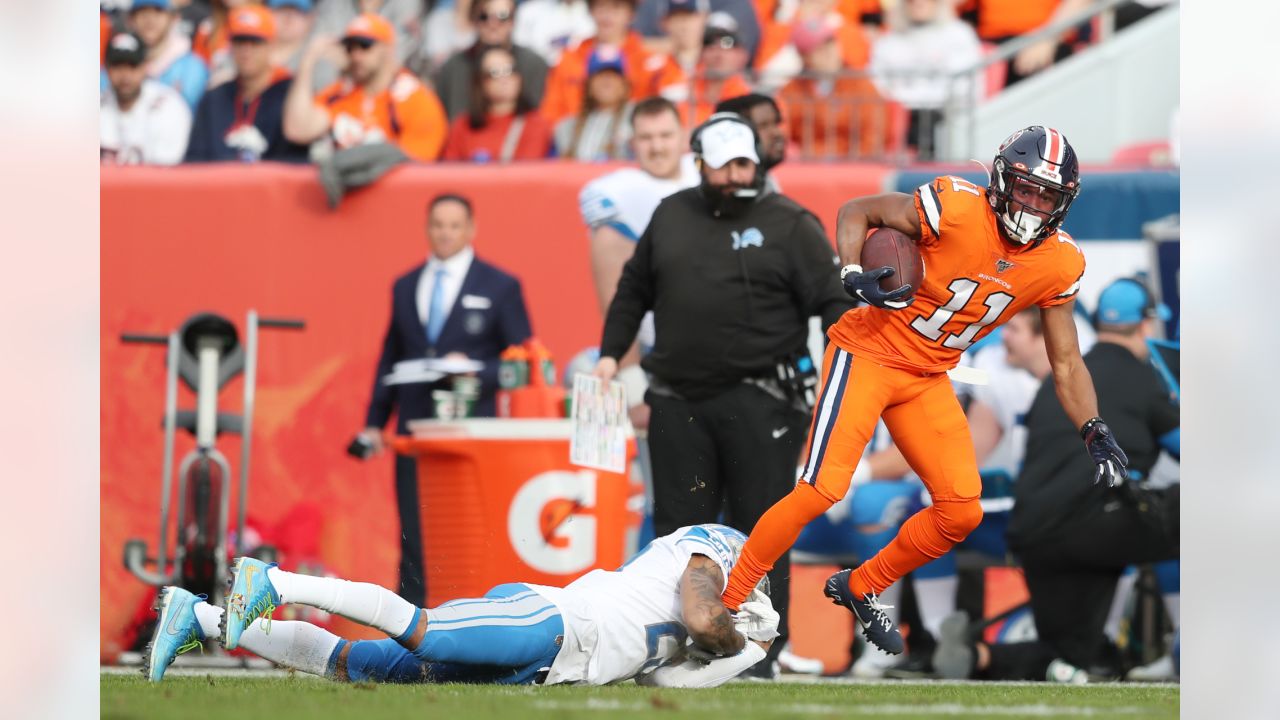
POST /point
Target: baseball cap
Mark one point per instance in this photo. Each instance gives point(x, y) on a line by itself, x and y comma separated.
point(125, 48)
point(304, 5)
point(688, 6)
point(251, 21)
point(721, 30)
point(605, 58)
point(370, 27)
point(810, 35)
point(726, 140)
point(1127, 301)
point(158, 4)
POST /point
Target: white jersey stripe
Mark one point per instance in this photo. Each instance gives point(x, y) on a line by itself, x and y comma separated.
point(461, 616)
point(489, 620)
point(1056, 150)
point(932, 208)
point(829, 409)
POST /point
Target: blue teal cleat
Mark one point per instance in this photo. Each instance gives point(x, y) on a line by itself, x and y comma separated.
point(177, 631)
point(251, 597)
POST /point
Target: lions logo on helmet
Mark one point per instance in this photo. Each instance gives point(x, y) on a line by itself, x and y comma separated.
point(1036, 160)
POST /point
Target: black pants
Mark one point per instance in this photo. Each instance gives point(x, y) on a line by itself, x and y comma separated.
point(1072, 578)
point(413, 583)
point(734, 452)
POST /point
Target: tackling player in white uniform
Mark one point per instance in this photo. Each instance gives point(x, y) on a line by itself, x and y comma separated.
point(657, 619)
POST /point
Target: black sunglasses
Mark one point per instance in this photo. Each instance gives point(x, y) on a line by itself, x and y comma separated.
point(362, 43)
point(500, 16)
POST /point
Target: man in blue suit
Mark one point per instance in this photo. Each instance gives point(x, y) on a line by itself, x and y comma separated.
point(453, 306)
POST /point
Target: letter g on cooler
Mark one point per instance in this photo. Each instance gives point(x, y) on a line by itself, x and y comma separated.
point(546, 523)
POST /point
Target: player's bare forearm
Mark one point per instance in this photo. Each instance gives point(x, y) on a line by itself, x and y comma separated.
point(705, 616)
point(1071, 379)
point(857, 216)
point(1074, 386)
point(610, 252)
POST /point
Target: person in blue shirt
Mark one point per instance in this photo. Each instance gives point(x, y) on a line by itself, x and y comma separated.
point(243, 119)
point(169, 56)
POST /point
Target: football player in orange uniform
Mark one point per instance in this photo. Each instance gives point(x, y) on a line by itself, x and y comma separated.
point(988, 253)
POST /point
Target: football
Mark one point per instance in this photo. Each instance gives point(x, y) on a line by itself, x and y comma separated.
point(888, 247)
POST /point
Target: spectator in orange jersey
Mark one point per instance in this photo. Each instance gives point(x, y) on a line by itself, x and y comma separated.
point(648, 74)
point(830, 113)
point(376, 101)
point(719, 75)
point(1001, 20)
point(779, 60)
point(501, 125)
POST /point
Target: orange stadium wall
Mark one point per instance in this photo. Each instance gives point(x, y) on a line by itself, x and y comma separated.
point(229, 238)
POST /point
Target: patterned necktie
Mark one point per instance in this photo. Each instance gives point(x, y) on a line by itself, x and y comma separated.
point(437, 312)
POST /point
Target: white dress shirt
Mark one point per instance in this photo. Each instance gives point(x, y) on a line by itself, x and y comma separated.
point(455, 271)
point(153, 131)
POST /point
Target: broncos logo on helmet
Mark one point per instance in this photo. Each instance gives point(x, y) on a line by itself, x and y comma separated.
point(1035, 177)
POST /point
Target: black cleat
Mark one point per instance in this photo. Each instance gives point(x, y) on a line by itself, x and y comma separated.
point(876, 626)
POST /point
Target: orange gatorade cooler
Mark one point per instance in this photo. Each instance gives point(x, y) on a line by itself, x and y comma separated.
point(501, 503)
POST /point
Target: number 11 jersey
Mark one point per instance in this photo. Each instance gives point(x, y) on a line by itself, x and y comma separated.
point(974, 280)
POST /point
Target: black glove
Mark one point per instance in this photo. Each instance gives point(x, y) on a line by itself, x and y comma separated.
point(865, 286)
point(1106, 452)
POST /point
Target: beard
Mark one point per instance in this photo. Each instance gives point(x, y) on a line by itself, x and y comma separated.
point(731, 200)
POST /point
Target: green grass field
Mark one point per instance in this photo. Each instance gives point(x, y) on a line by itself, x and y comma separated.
point(282, 698)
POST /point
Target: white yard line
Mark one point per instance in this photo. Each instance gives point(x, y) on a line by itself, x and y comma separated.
point(179, 669)
point(941, 709)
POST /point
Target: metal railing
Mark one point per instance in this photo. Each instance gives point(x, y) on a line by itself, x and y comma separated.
point(870, 127)
point(1104, 10)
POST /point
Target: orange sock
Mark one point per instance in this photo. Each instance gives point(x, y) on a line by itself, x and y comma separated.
point(774, 534)
point(925, 536)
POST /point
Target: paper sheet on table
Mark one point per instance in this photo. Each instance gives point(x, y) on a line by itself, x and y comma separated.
point(429, 370)
point(598, 438)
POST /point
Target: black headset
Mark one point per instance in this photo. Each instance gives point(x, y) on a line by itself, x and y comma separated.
point(695, 145)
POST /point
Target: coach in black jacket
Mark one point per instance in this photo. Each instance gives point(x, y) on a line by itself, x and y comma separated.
point(732, 274)
point(454, 305)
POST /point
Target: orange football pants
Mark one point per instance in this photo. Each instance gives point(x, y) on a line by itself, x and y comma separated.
point(928, 426)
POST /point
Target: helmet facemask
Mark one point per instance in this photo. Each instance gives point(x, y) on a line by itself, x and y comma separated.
point(1029, 207)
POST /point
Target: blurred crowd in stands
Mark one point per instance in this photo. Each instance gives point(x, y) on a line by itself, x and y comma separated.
point(504, 80)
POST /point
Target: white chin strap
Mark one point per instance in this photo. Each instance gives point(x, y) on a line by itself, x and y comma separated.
point(1024, 228)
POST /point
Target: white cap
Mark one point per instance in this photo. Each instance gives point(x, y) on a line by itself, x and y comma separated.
point(727, 140)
